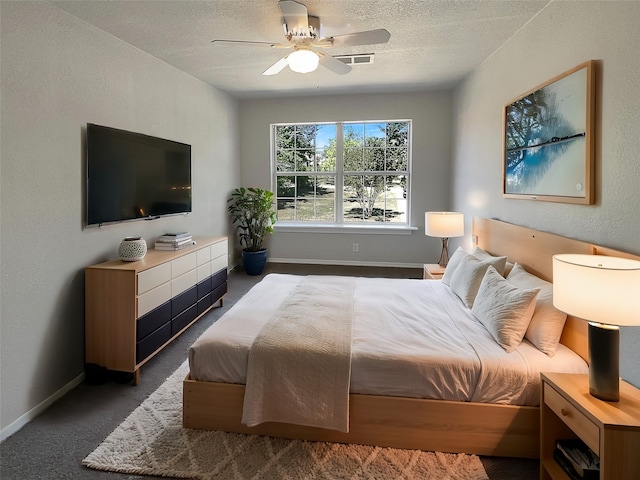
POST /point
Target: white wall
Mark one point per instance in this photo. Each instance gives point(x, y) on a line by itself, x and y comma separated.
point(565, 34)
point(431, 115)
point(58, 73)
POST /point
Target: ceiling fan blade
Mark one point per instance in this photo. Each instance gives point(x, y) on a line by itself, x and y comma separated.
point(295, 17)
point(248, 42)
point(277, 67)
point(370, 37)
point(333, 64)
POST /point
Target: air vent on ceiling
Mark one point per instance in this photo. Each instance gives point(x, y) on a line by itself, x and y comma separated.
point(359, 59)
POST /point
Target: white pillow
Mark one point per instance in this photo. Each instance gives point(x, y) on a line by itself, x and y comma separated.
point(498, 263)
point(504, 309)
point(547, 323)
point(467, 277)
point(452, 265)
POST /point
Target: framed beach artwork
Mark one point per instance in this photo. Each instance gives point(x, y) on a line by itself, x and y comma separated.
point(548, 140)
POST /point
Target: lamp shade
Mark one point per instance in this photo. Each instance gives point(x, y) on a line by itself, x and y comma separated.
point(598, 288)
point(303, 61)
point(444, 224)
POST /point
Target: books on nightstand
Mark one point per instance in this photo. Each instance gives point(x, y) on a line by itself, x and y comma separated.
point(577, 460)
point(174, 241)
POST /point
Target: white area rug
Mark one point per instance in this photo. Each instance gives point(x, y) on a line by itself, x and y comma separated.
point(151, 441)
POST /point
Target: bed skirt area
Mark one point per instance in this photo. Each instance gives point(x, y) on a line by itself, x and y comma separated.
point(398, 422)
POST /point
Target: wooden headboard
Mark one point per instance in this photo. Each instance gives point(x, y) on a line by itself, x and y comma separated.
point(534, 250)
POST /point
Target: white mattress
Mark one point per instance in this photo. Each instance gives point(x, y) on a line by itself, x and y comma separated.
point(411, 338)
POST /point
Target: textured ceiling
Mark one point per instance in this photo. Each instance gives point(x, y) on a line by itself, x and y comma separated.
point(434, 43)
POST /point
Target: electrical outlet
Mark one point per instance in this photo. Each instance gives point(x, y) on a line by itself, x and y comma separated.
point(356, 247)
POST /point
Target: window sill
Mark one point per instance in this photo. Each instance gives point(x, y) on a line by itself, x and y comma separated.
point(388, 229)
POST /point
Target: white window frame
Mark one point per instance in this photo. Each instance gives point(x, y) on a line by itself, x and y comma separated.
point(339, 225)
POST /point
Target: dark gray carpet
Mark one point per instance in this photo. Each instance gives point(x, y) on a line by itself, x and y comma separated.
point(53, 445)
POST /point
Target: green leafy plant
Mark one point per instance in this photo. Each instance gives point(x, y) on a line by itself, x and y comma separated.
point(253, 213)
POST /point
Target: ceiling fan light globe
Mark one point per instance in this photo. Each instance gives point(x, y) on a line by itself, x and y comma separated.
point(303, 61)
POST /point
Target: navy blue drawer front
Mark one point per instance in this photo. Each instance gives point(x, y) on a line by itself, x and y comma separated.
point(218, 278)
point(153, 320)
point(204, 287)
point(184, 319)
point(218, 292)
point(152, 342)
point(204, 303)
point(183, 301)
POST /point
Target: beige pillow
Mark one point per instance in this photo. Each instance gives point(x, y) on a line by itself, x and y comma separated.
point(547, 323)
point(504, 309)
point(467, 277)
point(498, 263)
point(452, 265)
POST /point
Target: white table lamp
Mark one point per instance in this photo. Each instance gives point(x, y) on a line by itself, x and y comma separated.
point(605, 291)
point(444, 225)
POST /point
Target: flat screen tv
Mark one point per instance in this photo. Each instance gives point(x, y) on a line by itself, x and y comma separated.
point(131, 176)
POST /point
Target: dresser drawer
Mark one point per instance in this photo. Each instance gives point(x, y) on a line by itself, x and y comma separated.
point(154, 298)
point(182, 265)
point(152, 342)
point(203, 256)
point(204, 272)
point(219, 249)
point(574, 418)
point(183, 301)
point(184, 319)
point(218, 264)
point(153, 320)
point(184, 282)
point(153, 277)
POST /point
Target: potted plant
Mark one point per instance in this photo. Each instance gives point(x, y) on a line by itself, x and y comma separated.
point(252, 211)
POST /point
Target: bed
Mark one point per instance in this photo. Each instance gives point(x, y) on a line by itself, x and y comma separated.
point(402, 403)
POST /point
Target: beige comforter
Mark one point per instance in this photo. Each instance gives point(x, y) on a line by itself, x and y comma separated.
point(299, 365)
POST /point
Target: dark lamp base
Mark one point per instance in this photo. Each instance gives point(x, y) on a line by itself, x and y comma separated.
point(604, 362)
point(444, 256)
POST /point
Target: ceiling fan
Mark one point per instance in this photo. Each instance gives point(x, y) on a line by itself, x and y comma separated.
point(303, 33)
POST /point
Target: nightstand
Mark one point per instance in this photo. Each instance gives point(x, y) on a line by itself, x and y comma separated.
point(610, 429)
point(432, 271)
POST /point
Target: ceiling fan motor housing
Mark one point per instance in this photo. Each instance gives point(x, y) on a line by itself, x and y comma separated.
point(314, 31)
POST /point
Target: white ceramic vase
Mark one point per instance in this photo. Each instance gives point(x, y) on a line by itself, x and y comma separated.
point(132, 249)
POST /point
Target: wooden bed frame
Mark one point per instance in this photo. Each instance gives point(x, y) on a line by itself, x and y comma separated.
point(431, 425)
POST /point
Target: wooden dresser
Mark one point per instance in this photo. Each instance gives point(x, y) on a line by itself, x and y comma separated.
point(134, 309)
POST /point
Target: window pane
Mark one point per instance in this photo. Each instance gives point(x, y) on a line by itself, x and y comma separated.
point(326, 160)
point(397, 159)
point(306, 136)
point(285, 135)
point(397, 134)
point(325, 198)
point(374, 160)
point(375, 134)
point(353, 134)
point(326, 135)
point(353, 159)
point(395, 200)
point(286, 210)
point(353, 196)
point(305, 160)
point(286, 187)
point(286, 161)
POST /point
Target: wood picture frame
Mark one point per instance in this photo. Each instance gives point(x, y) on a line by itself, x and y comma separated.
point(549, 140)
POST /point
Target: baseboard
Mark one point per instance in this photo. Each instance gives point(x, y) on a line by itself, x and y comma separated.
point(16, 425)
point(347, 263)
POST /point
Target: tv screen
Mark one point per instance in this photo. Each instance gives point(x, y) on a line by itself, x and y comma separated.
point(131, 176)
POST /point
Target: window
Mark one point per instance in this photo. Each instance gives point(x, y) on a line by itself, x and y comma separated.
point(342, 173)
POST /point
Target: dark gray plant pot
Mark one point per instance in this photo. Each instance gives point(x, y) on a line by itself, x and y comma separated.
point(254, 262)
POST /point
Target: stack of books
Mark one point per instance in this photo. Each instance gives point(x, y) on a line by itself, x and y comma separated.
point(577, 460)
point(174, 241)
